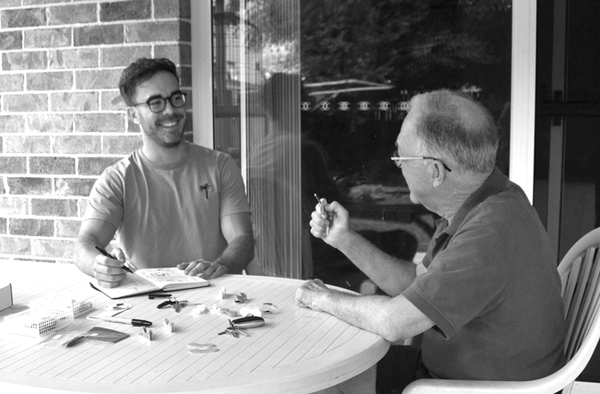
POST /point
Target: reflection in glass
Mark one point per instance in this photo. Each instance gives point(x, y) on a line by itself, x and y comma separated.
point(324, 86)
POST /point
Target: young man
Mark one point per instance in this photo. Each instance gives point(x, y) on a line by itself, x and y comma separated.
point(489, 305)
point(170, 203)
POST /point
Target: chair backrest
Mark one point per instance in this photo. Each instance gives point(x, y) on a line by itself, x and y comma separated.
point(579, 271)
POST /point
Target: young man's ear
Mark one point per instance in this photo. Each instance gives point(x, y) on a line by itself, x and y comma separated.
point(132, 114)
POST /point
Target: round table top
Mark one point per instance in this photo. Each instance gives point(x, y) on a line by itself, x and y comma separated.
point(297, 350)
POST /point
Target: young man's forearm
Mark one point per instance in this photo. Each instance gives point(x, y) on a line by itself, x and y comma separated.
point(238, 254)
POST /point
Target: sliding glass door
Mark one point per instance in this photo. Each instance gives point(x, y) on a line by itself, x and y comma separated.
point(309, 97)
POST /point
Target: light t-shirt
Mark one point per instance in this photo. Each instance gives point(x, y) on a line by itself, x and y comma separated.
point(168, 214)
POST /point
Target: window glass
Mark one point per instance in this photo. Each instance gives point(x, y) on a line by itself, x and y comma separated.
point(318, 89)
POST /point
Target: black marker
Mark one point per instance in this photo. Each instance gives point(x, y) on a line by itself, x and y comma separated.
point(123, 320)
point(106, 254)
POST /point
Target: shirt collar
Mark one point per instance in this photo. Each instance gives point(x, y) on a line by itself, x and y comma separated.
point(493, 185)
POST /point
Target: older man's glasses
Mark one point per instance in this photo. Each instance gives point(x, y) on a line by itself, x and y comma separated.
point(398, 159)
point(158, 104)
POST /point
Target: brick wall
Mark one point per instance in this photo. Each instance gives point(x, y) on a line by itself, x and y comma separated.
point(62, 120)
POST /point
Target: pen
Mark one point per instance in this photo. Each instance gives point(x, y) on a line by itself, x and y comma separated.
point(322, 212)
point(124, 320)
point(106, 254)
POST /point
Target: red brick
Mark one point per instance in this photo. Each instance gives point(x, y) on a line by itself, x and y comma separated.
point(49, 123)
point(58, 80)
point(100, 122)
point(25, 60)
point(51, 165)
point(25, 102)
point(95, 165)
point(121, 145)
point(158, 31)
point(29, 186)
point(178, 54)
point(12, 3)
point(74, 101)
point(27, 17)
point(73, 186)
point(57, 248)
point(11, 40)
point(97, 79)
point(123, 56)
point(12, 123)
point(27, 144)
point(98, 35)
point(10, 205)
point(35, 227)
point(71, 14)
point(67, 228)
point(53, 207)
point(12, 82)
point(112, 101)
point(15, 245)
point(172, 9)
point(47, 38)
point(74, 58)
point(76, 144)
point(13, 164)
point(125, 10)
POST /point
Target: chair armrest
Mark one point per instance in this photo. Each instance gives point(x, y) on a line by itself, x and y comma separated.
point(446, 386)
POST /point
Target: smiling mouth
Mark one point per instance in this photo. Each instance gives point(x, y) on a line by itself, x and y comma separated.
point(170, 123)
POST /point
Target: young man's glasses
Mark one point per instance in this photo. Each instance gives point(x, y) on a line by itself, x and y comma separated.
point(158, 104)
point(398, 160)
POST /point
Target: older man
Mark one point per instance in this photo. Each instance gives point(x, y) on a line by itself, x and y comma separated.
point(489, 305)
point(171, 202)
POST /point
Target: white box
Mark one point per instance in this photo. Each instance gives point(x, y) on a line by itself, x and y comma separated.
point(6, 299)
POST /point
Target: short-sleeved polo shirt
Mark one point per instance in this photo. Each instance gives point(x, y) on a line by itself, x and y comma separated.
point(492, 290)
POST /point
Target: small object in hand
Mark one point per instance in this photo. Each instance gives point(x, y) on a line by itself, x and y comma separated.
point(322, 211)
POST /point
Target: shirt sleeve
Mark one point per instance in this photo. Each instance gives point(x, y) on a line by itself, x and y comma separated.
point(107, 198)
point(233, 192)
point(464, 280)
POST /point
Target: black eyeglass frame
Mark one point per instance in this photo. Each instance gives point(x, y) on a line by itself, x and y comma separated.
point(163, 101)
point(398, 159)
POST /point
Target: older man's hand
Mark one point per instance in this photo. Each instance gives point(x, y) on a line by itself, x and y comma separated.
point(311, 293)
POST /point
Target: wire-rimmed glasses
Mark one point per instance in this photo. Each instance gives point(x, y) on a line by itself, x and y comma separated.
point(398, 159)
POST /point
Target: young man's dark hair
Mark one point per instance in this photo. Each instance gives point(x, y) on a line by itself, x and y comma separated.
point(139, 71)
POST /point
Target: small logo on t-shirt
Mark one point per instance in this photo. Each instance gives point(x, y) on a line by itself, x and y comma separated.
point(205, 188)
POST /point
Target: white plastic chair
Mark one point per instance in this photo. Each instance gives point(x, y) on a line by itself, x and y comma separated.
point(579, 271)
